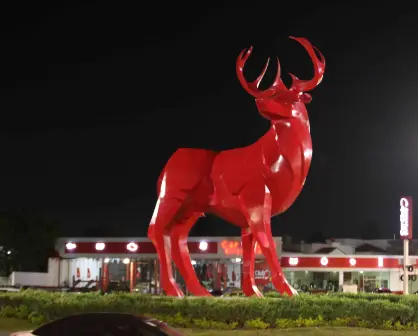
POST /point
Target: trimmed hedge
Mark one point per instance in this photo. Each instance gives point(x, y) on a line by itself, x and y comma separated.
point(376, 311)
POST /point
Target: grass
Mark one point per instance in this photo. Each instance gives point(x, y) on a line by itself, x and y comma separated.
point(11, 325)
point(301, 332)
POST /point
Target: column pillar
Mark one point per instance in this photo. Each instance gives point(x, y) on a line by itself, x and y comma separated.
point(105, 276)
point(156, 276)
point(132, 275)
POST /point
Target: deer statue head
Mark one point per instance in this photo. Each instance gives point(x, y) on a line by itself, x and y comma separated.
point(278, 101)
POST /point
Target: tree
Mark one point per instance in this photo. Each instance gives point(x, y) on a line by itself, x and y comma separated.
point(27, 240)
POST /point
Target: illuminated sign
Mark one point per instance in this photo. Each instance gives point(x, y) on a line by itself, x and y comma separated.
point(353, 262)
point(293, 261)
point(100, 246)
point(203, 246)
point(324, 261)
point(234, 248)
point(406, 218)
point(132, 247)
point(70, 246)
point(262, 274)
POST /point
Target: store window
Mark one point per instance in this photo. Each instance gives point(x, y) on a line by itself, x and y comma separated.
point(313, 282)
point(367, 281)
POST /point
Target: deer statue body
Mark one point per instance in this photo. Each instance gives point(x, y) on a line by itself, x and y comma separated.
point(245, 186)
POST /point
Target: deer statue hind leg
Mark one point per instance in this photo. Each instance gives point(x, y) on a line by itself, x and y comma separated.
point(165, 211)
point(256, 201)
point(180, 253)
point(248, 255)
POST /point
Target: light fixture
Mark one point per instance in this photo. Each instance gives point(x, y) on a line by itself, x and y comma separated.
point(193, 262)
point(237, 260)
point(324, 261)
point(293, 261)
point(132, 247)
point(203, 246)
point(353, 262)
point(126, 261)
point(70, 246)
point(100, 246)
point(106, 260)
point(9, 252)
point(380, 262)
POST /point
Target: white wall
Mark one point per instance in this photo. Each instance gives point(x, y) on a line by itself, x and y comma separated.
point(59, 273)
point(31, 279)
point(49, 279)
point(395, 284)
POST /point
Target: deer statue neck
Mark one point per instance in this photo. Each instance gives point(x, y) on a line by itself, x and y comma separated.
point(288, 142)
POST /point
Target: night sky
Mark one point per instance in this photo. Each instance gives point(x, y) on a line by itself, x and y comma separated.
point(94, 99)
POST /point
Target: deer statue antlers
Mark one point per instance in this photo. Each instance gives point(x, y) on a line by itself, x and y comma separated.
point(298, 85)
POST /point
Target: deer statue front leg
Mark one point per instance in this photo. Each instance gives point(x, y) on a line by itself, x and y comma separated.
point(248, 257)
point(181, 256)
point(256, 201)
point(164, 214)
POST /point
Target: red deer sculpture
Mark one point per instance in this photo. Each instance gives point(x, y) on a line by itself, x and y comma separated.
point(245, 186)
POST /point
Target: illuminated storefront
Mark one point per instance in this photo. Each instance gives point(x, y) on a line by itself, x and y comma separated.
point(217, 261)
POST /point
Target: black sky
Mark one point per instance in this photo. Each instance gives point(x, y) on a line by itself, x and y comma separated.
point(96, 97)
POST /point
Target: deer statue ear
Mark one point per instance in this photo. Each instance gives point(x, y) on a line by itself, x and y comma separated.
point(305, 98)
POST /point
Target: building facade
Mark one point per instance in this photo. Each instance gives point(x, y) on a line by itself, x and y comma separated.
point(132, 262)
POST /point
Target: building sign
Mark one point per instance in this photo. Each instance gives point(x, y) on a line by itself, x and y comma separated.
point(406, 218)
point(262, 274)
point(232, 247)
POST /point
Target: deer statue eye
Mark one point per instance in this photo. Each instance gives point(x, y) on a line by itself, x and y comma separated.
point(305, 98)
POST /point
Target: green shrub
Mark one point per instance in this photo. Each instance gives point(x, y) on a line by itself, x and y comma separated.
point(377, 311)
point(273, 294)
point(370, 296)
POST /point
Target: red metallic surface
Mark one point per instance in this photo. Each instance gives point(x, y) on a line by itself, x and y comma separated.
point(245, 186)
point(105, 277)
point(132, 275)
